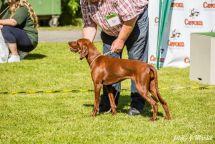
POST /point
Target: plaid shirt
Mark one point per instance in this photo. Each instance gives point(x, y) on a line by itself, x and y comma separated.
point(94, 14)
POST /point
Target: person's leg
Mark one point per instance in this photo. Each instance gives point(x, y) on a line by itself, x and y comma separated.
point(13, 48)
point(17, 40)
point(104, 103)
point(10, 40)
point(137, 45)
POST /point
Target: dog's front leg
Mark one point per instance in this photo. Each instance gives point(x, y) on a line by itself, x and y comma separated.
point(97, 89)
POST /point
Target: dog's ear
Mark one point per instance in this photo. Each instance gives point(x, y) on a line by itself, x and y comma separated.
point(83, 52)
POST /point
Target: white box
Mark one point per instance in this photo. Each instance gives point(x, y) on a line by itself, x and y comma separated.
point(202, 59)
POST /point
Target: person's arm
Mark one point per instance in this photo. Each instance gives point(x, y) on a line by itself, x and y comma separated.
point(17, 19)
point(9, 22)
point(126, 30)
point(127, 12)
point(90, 27)
point(89, 33)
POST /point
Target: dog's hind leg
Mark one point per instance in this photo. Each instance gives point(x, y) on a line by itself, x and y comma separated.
point(111, 99)
point(155, 92)
point(143, 91)
point(165, 106)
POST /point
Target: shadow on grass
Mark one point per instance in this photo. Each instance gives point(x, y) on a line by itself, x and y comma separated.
point(35, 56)
point(124, 103)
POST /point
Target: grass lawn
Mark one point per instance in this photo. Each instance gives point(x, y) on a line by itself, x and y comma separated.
point(64, 117)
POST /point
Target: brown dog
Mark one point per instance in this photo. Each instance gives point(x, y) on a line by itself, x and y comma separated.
point(107, 71)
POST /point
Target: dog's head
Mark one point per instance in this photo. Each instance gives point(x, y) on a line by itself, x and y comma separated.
point(81, 46)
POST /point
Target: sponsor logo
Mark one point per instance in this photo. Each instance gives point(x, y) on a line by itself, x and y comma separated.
point(208, 5)
point(176, 44)
point(175, 39)
point(162, 51)
point(177, 5)
point(186, 60)
point(156, 20)
point(194, 13)
point(175, 34)
point(153, 58)
point(193, 18)
point(193, 23)
point(162, 60)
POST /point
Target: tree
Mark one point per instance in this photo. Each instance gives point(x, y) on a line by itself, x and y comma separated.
point(70, 11)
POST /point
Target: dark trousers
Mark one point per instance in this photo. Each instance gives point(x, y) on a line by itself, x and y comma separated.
point(137, 47)
point(18, 36)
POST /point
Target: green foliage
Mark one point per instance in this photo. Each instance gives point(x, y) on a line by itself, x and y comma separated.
point(70, 11)
point(3, 6)
point(73, 6)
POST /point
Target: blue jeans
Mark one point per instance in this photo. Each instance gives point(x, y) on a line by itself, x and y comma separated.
point(137, 47)
point(18, 36)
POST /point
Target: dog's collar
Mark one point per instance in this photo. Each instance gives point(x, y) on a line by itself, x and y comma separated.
point(94, 59)
point(105, 54)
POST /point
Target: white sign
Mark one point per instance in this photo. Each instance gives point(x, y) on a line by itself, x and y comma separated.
point(186, 17)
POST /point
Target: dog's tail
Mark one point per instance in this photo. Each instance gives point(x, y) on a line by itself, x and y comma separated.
point(154, 85)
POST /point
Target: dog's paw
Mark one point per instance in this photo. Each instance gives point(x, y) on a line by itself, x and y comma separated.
point(153, 119)
point(114, 113)
point(93, 114)
point(167, 118)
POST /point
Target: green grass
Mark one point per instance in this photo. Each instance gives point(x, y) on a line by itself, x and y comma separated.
point(211, 34)
point(65, 117)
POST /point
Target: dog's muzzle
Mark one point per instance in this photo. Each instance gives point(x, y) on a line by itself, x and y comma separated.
point(74, 50)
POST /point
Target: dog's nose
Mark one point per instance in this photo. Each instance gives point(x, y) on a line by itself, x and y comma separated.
point(70, 43)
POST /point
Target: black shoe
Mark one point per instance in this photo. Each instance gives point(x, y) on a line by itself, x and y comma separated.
point(133, 111)
point(103, 109)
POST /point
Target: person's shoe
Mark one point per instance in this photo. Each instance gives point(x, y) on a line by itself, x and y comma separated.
point(14, 58)
point(133, 111)
point(22, 54)
point(104, 109)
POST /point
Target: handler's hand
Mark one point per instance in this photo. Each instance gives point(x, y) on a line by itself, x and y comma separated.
point(1, 26)
point(117, 45)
